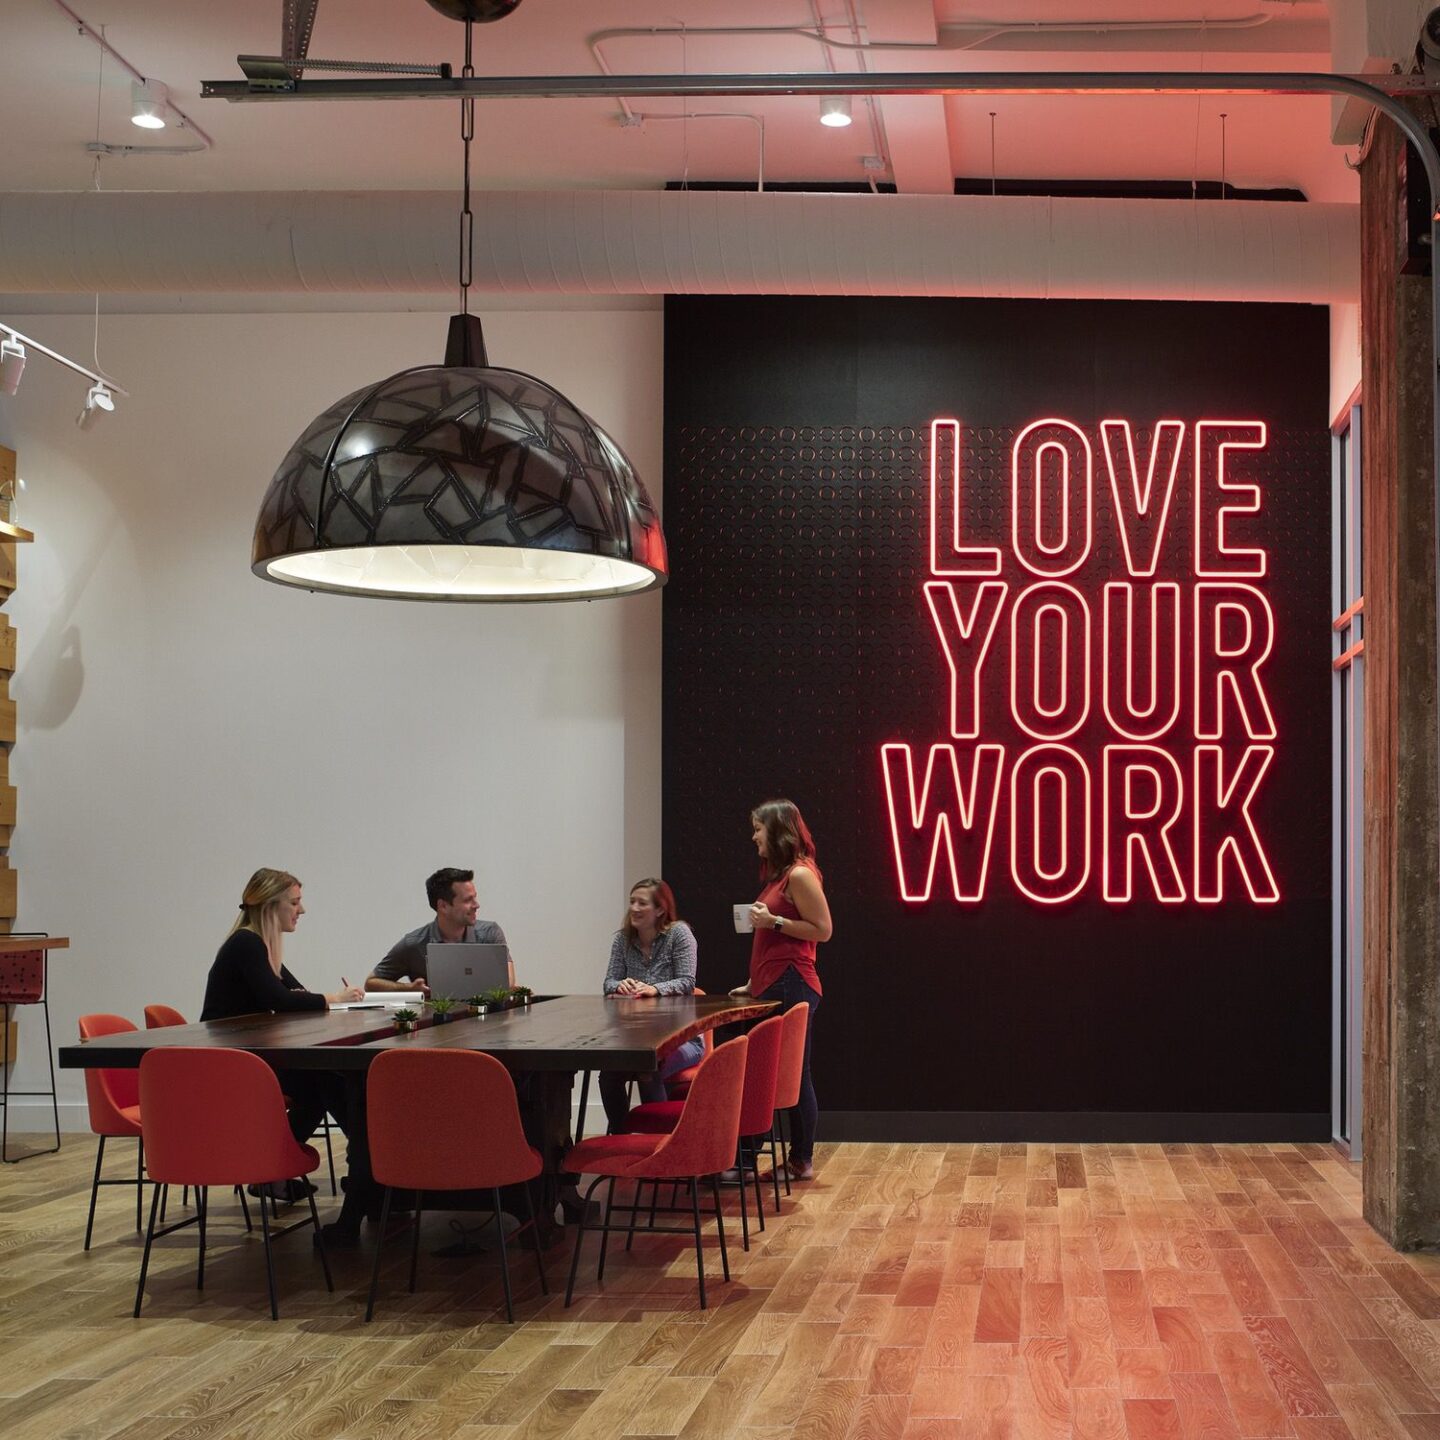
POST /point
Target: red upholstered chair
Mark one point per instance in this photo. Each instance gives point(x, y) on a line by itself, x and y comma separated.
point(787, 1084)
point(488, 1148)
point(22, 982)
point(702, 1144)
point(113, 1097)
point(678, 1085)
point(217, 1117)
point(166, 1017)
point(757, 1114)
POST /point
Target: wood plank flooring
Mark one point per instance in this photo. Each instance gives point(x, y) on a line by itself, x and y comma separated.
point(915, 1292)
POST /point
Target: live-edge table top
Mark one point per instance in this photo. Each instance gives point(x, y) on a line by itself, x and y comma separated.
point(566, 1032)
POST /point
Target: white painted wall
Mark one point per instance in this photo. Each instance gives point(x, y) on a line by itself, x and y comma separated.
point(182, 722)
point(1344, 355)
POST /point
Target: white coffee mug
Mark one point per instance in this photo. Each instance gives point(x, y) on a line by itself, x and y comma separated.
point(743, 923)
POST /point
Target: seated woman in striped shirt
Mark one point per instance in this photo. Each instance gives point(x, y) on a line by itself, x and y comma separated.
point(653, 953)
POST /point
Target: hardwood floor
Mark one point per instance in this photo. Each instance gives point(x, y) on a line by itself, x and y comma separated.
point(916, 1292)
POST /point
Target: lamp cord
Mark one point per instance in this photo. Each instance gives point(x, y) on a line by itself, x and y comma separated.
point(467, 216)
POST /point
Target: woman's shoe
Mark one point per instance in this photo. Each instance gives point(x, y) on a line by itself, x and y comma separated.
point(801, 1169)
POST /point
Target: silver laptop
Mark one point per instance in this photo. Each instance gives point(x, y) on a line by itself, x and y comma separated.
point(460, 970)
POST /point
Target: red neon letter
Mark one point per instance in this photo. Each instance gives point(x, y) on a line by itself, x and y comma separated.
point(1223, 824)
point(1141, 803)
point(1214, 439)
point(944, 814)
point(1141, 700)
point(965, 654)
point(1139, 509)
point(1050, 660)
point(1041, 450)
point(1050, 823)
point(1234, 634)
point(958, 559)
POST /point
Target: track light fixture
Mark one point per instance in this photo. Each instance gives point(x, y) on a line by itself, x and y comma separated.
point(149, 100)
point(835, 110)
point(12, 364)
point(14, 350)
point(98, 399)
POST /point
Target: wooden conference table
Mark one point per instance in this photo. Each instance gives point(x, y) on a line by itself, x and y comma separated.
point(550, 1039)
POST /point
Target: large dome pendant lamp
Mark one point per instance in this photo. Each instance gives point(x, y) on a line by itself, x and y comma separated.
point(459, 481)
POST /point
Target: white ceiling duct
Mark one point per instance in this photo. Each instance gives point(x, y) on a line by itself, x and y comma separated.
point(595, 242)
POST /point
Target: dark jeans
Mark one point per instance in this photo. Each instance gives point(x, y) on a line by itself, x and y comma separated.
point(790, 990)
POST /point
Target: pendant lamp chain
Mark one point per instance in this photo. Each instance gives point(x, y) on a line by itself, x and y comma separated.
point(467, 215)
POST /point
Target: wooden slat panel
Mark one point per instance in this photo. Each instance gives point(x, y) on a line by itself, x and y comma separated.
point(8, 890)
point(7, 644)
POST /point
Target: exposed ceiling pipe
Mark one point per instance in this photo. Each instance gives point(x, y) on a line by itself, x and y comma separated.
point(680, 242)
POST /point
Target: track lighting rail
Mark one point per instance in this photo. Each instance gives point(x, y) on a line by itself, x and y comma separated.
point(8, 332)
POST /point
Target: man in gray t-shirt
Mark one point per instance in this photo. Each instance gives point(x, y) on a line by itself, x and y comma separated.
point(452, 896)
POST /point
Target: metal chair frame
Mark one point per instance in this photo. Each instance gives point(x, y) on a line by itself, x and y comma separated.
point(5, 1091)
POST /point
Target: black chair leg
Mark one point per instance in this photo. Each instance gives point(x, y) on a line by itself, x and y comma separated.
point(379, 1246)
point(145, 1258)
point(5, 1088)
point(579, 1241)
point(415, 1242)
point(320, 1241)
point(269, 1254)
point(635, 1210)
point(504, 1257)
point(50, 1051)
point(774, 1167)
point(584, 1101)
point(759, 1193)
point(139, 1182)
point(699, 1249)
point(202, 1196)
point(330, 1156)
point(784, 1147)
point(720, 1225)
point(245, 1209)
point(94, 1191)
point(744, 1208)
point(605, 1233)
point(535, 1236)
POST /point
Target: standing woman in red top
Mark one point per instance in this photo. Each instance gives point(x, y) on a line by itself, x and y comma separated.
point(791, 917)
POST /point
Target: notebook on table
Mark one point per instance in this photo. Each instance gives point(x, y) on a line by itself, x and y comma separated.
point(461, 970)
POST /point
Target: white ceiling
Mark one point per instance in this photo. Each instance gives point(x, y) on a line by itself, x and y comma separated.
point(48, 97)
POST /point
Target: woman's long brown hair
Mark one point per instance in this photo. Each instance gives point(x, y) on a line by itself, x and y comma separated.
point(787, 838)
point(662, 896)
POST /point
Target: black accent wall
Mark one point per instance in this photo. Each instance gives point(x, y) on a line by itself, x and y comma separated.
point(797, 641)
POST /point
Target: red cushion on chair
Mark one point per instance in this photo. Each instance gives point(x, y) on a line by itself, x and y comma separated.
point(488, 1148)
point(22, 977)
point(609, 1154)
point(216, 1117)
point(162, 1017)
point(654, 1117)
point(113, 1095)
point(792, 1056)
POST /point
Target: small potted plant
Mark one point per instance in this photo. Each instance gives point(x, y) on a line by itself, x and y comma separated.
point(405, 1021)
point(522, 994)
point(442, 1008)
point(476, 1004)
point(498, 999)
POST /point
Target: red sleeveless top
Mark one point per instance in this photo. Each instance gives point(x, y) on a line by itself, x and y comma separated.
point(771, 951)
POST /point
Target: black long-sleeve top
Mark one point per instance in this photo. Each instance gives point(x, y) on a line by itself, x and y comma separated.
point(241, 982)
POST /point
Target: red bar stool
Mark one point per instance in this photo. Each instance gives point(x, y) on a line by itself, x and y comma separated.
point(22, 982)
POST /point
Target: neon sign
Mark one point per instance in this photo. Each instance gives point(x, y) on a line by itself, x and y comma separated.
point(1137, 731)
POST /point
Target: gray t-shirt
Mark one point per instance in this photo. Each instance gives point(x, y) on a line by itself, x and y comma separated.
point(407, 954)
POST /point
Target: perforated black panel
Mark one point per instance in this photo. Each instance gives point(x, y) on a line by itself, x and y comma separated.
point(798, 641)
